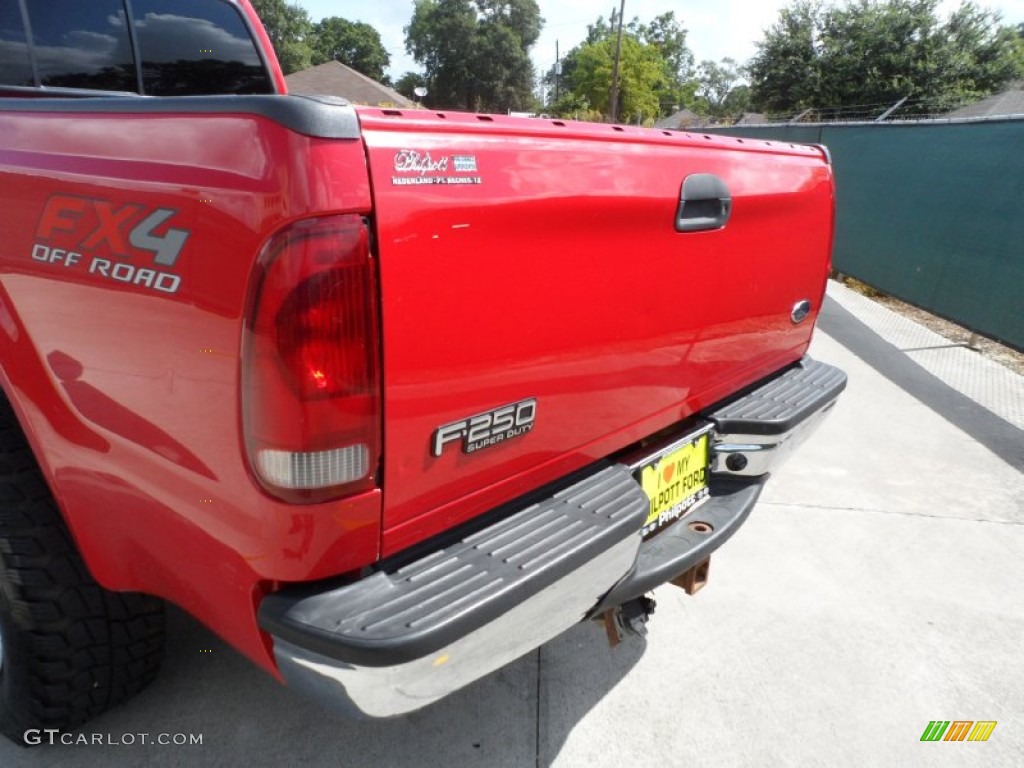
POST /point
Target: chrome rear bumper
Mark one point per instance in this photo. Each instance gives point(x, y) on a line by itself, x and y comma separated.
point(394, 690)
point(755, 433)
point(401, 639)
point(405, 637)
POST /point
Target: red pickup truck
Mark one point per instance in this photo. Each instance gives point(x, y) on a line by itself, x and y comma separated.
point(384, 398)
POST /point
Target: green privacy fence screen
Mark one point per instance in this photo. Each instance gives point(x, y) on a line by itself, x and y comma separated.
point(932, 213)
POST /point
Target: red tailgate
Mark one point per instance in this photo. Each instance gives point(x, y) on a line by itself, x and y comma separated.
point(529, 259)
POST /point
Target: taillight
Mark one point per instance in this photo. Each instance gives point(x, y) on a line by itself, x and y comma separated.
point(310, 362)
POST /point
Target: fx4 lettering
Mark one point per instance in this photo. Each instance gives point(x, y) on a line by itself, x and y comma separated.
point(111, 229)
point(104, 240)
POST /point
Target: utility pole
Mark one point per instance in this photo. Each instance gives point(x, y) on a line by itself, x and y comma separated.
point(558, 70)
point(613, 101)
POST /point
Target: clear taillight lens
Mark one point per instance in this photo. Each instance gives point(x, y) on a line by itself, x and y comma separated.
point(310, 362)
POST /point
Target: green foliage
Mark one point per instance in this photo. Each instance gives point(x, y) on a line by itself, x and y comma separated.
point(668, 36)
point(290, 31)
point(785, 71)
point(641, 71)
point(871, 53)
point(475, 52)
point(716, 82)
point(408, 83)
point(1018, 46)
point(737, 101)
point(678, 86)
point(354, 43)
point(655, 70)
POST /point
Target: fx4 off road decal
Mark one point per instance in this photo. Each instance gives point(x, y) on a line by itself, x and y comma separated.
point(128, 243)
point(487, 429)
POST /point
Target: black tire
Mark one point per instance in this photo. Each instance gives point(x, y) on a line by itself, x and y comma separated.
point(70, 649)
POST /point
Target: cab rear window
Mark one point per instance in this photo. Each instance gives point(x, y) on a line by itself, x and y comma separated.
point(195, 47)
point(82, 45)
point(152, 47)
point(15, 65)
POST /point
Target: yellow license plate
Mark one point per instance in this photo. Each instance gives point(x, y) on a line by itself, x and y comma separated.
point(675, 483)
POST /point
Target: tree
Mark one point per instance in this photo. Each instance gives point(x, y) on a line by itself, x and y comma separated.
point(655, 70)
point(289, 29)
point(858, 58)
point(784, 72)
point(354, 43)
point(641, 71)
point(737, 102)
point(666, 35)
point(475, 53)
point(408, 83)
point(716, 82)
point(440, 37)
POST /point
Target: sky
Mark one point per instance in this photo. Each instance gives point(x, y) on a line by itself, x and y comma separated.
point(716, 28)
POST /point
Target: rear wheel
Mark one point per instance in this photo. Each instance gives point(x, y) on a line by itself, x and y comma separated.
point(69, 649)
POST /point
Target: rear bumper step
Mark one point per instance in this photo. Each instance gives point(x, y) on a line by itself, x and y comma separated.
point(756, 432)
point(396, 641)
point(392, 643)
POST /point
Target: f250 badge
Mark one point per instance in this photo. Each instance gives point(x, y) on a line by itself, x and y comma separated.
point(487, 429)
point(104, 238)
point(423, 168)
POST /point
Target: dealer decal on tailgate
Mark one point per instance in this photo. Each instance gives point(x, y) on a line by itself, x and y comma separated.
point(675, 482)
point(421, 168)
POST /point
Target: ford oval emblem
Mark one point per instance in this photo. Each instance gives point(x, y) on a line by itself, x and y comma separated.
point(800, 311)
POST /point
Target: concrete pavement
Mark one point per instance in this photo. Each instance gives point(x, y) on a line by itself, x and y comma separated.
point(879, 585)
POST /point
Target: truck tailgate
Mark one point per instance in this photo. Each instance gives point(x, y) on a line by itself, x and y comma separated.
point(535, 260)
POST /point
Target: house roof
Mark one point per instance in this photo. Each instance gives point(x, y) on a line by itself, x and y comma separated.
point(332, 78)
point(752, 118)
point(684, 118)
point(1010, 102)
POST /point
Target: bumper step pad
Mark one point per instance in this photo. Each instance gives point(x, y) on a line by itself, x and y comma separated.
point(390, 618)
point(784, 402)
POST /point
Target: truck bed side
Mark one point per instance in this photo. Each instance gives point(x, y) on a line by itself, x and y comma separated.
point(125, 371)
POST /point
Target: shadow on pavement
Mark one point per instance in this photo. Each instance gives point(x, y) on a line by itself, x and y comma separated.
point(577, 670)
point(246, 718)
point(998, 435)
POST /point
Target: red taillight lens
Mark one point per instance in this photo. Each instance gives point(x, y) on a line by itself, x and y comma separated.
point(310, 362)
point(324, 329)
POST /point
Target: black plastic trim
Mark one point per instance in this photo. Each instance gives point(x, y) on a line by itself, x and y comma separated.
point(784, 401)
point(704, 203)
point(323, 117)
point(678, 548)
point(392, 618)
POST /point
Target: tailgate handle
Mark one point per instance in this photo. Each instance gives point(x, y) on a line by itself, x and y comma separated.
point(704, 203)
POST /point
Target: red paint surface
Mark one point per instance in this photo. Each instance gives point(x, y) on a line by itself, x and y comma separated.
point(130, 396)
point(559, 277)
